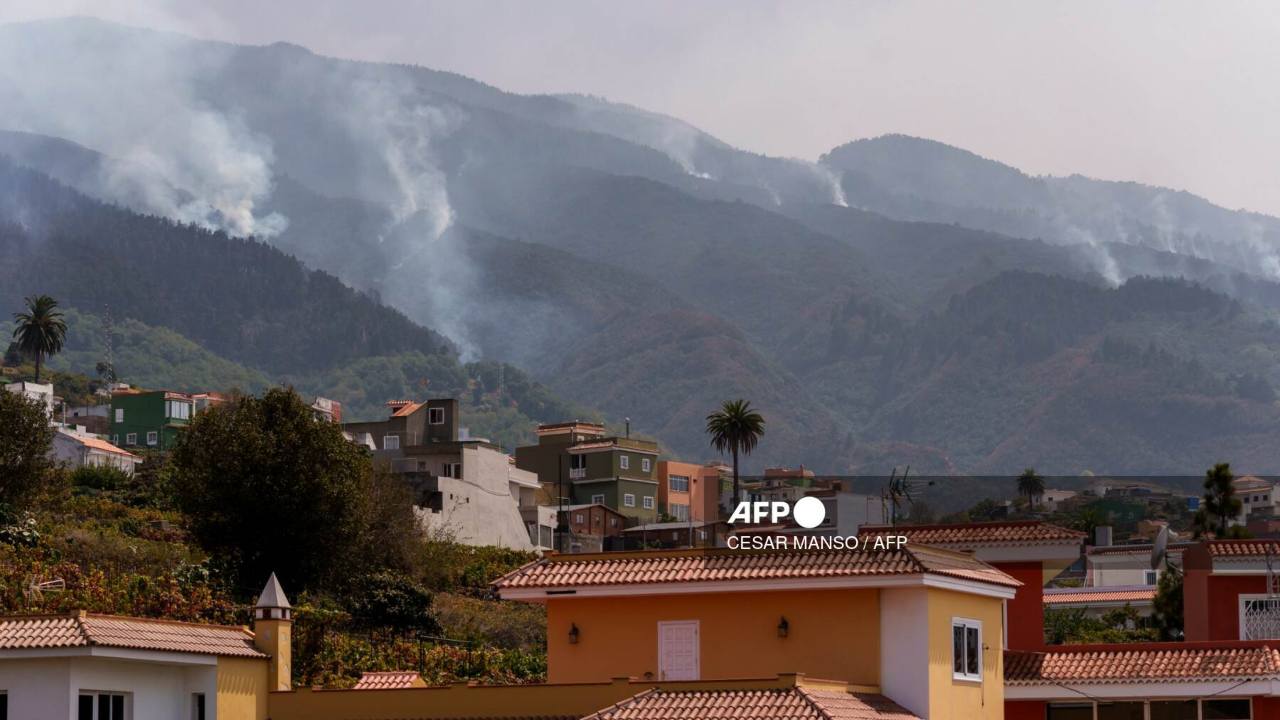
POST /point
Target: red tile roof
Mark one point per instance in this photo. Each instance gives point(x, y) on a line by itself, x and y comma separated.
point(103, 445)
point(984, 534)
point(1135, 549)
point(406, 409)
point(391, 680)
point(1242, 548)
point(1085, 596)
point(84, 630)
point(1181, 662)
point(797, 703)
point(721, 564)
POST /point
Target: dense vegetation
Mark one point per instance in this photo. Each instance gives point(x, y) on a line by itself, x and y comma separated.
point(103, 541)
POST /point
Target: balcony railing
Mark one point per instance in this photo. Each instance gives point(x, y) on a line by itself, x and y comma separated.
point(577, 473)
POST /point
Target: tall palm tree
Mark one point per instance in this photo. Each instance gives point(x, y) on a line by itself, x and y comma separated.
point(1031, 485)
point(735, 428)
point(41, 329)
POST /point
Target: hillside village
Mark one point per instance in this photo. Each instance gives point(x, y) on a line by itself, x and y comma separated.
point(510, 568)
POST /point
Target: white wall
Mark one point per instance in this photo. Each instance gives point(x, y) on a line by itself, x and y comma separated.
point(48, 688)
point(479, 508)
point(38, 688)
point(904, 648)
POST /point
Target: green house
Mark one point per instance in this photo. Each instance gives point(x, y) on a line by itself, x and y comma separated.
point(149, 419)
point(578, 462)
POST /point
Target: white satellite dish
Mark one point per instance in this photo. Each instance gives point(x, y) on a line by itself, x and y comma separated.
point(1160, 548)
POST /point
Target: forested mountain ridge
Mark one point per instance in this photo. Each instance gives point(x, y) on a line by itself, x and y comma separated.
point(955, 314)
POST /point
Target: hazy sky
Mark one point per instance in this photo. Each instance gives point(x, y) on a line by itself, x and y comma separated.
point(1183, 94)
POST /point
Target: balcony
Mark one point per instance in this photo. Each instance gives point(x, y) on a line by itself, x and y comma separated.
point(577, 473)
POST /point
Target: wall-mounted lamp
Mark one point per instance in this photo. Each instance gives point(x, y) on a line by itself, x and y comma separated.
point(783, 627)
point(573, 634)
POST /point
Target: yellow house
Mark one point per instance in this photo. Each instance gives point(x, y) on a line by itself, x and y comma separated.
point(920, 626)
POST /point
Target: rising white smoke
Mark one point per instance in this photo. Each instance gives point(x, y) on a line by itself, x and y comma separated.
point(168, 152)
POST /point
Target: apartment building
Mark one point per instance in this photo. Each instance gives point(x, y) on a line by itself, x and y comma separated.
point(579, 463)
point(467, 488)
point(690, 491)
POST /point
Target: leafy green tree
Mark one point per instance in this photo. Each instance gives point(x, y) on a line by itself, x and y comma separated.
point(392, 600)
point(1031, 486)
point(25, 442)
point(735, 428)
point(41, 330)
point(268, 487)
point(1220, 505)
point(1167, 615)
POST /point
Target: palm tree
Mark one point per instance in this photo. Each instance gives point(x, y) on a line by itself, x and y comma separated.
point(1220, 505)
point(41, 329)
point(735, 428)
point(1031, 485)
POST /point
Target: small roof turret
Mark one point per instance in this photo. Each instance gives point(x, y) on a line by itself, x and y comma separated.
point(272, 603)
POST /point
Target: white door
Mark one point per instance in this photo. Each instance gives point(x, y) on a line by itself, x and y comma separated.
point(678, 650)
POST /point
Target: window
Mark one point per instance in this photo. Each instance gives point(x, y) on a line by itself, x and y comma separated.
point(1225, 709)
point(1259, 617)
point(624, 462)
point(1174, 710)
point(177, 410)
point(119, 415)
point(577, 462)
point(613, 522)
point(390, 442)
point(629, 500)
point(678, 483)
point(153, 438)
point(1070, 711)
point(100, 706)
point(131, 439)
point(115, 439)
point(1122, 711)
point(197, 706)
point(678, 511)
point(597, 499)
point(577, 517)
point(435, 416)
point(646, 464)
point(966, 649)
point(1150, 577)
point(648, 502)
point(453, 470)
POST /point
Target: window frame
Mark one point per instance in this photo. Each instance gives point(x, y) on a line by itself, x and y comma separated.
point(628, 500)
point(672, 485)
point(964, 675)
point(648, 502)
point(646, 464)
point(119, 415)
point(131, 439)
point(391, 441)
point(153, 438)
point(597, 499)
point(433, 413)
point(624, 462)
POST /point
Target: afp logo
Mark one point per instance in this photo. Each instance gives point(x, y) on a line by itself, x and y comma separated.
point(809, 512)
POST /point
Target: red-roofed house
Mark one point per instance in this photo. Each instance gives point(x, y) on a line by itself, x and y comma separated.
point(1225, 590)
point(76, 449)
point(921, 626)
point(1032, 551)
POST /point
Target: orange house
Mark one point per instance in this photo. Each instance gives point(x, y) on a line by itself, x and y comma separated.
point(919, 625)
point(688, 491)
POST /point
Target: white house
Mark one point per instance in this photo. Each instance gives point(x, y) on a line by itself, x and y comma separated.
point(1257, 496)
point(39, 392)
point(76, 449)
point(82, 666)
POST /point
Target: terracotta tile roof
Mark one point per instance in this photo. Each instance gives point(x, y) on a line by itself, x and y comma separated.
point(967, 535)
point(97, 444)
point(1142, 664)
point(85, 630)
point(391, 680)
point(407, 409)
point(1083, 596)
point(1242, 548)
point(796, 703)
point(1135, 549)
point(721, 564)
